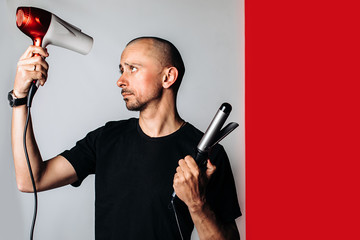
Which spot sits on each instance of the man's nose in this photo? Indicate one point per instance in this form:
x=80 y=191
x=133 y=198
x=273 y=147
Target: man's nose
x=122 y=82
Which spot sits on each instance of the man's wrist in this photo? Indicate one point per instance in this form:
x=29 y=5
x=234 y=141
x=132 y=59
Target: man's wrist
x=197 y=207
x=18 y=94
x=15 y=101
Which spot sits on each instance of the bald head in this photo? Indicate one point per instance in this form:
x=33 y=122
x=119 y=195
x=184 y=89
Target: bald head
x=166 y=53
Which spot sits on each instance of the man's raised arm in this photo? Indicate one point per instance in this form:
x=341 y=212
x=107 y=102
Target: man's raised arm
x=49 y=174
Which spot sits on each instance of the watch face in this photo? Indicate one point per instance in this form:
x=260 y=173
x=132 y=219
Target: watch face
x=11 y=99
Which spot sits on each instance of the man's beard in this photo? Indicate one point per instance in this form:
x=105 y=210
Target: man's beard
x=136 y=105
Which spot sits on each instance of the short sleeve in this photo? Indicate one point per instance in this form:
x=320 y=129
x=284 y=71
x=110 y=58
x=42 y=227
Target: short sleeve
x=221 y=191
x=83 y=155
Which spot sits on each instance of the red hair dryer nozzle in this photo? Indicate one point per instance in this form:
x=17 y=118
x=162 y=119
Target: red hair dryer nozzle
x=34 y=22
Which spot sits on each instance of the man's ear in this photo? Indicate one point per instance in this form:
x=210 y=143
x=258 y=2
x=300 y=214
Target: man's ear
x=170 y=77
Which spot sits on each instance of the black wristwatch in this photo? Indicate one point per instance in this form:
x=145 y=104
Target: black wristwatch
x=14 y=101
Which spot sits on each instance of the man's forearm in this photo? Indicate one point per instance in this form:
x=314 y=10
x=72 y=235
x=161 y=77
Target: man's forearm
x=208 y=227
x=17 y=133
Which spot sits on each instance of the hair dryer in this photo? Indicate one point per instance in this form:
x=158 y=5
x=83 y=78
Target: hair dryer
x=45 y=28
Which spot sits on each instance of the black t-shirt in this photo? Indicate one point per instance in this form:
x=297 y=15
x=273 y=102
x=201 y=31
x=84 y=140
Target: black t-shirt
x=134 y=177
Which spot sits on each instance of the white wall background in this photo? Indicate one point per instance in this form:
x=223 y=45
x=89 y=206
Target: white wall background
x=81 y=94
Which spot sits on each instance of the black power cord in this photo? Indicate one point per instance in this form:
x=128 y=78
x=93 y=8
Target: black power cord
x=32 y=91
x=31 y=175
x=176 y=217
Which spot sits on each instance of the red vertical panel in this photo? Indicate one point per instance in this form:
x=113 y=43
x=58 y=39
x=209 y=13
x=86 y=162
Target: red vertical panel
x=302 y=106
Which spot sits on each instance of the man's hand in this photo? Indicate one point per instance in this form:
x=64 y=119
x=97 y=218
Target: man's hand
x=190 y=183
x=31 y=66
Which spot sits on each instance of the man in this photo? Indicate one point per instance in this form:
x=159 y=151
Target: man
x=135 y=160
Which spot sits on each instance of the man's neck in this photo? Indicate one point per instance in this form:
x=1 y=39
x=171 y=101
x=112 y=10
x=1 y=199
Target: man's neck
x=160 y=120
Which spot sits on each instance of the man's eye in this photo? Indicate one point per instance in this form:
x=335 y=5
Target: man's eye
x=133 y=69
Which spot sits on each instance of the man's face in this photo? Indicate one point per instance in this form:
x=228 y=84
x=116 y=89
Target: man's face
x=141 y=79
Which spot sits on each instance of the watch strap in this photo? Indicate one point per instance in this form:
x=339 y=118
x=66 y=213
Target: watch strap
x=14 y=101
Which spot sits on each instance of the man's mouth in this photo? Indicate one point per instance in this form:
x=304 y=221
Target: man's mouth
x=126 y=93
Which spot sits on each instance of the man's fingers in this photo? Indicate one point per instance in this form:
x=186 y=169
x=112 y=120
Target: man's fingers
x=32 y=50
x=178 y=177
x=37 y=72
x=192 y=165
x=210 y=169
x=33 y=63
x=184 y=168
x=35 y=68
x=190 y=162
x=40 y=62
x=188 y=169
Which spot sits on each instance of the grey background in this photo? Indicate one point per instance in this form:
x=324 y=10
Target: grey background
x=81 y=94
